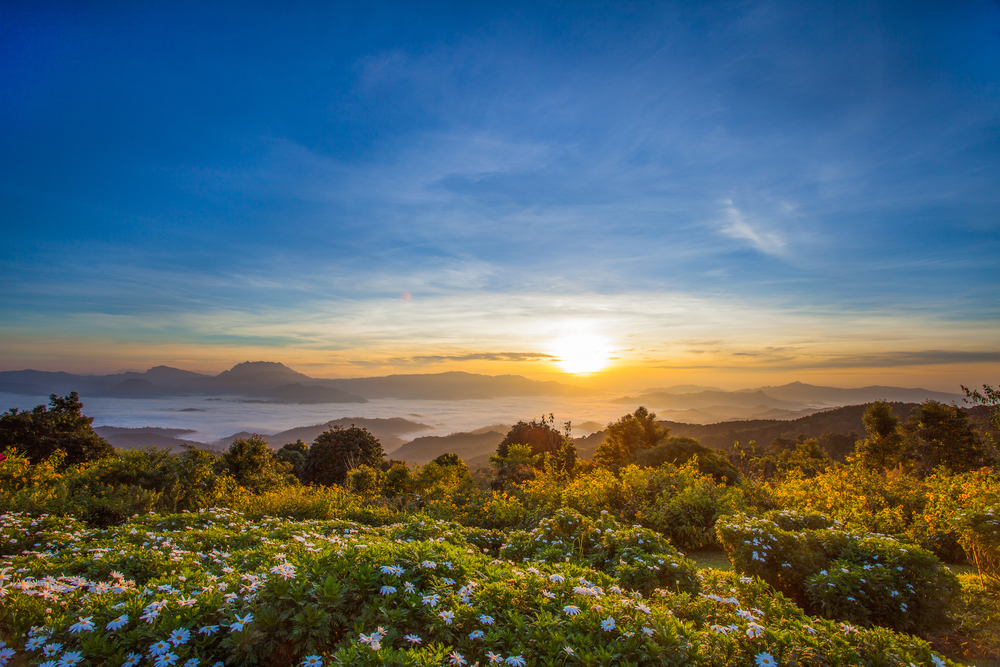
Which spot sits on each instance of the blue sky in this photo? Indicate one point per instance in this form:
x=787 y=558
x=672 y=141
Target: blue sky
x=724 y=192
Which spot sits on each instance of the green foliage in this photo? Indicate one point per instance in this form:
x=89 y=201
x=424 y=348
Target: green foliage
x=865 y=500
x=514 y=466
x=530 y=447
x=294 y=454
x=883 y=447
x=941 y=435
x=966 y=507
x=859 y=578
x=339 y=450
x=111 y=490
x=637 y=557
x=554 y=537
x=396 y=480
x=990 y=397
x=627 y=436
x=254 y=466
x=687 y=514
x=805 y=458
x=679 y=450
x=540 y=435
x=38 y=433
x=274 y=591
x=364 y=480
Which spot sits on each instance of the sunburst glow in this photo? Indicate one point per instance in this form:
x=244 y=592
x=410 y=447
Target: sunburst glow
x=582 y=353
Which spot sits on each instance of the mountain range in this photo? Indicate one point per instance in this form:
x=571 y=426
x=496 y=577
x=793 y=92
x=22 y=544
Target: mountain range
x=707 y=405
x=272 y=382
x=388 y=432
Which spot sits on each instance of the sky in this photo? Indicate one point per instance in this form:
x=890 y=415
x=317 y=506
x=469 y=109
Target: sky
x=728 y=193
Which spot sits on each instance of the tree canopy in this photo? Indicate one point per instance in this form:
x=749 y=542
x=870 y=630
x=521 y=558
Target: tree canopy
x=632 y=433
x=39 y=432
x=941 y=435
x=883 y=447
x=541 y=436
x=336 y=452
x=254 y=466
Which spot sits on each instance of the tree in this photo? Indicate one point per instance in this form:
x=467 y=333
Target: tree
x=883 y=447
x=806 y=458
x=294 y=454
x=627 y=436
x=40 y=432
x=936 y=434
x=990 y=396
x=541 y=436
x=514 y=467
x=254 y=466
x=441 y=477
x=679 y=450
x=547 y=449
x=339 y=450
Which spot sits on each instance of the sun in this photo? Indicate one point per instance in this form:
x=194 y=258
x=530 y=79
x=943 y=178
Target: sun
x=582 y=353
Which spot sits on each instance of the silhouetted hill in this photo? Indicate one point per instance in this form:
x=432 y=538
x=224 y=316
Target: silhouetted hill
x=139 y=438
x=251 y=377
x=720 y=413
x=453 y=386
x=468 y=446
x=788 y=401
x=682 y=389
x=706 y=399
x=845 y=420
x=173 y=376
x=386 y=430
x=587 y=446
x=798 y=391
x=137 y=388
x=256 y=375
x=299 y=393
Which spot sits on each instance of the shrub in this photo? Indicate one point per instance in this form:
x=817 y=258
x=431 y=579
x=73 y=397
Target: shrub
x=214 y=586
x=966 y=509
x=860 y=578
x=868 y=501
x=687 y=516
x=637 y=557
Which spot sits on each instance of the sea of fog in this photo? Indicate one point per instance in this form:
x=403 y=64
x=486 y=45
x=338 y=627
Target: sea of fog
x=212 y=418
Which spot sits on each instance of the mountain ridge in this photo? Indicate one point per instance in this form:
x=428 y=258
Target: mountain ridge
x=249 y=378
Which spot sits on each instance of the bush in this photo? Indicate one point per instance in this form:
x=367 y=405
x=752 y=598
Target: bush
x=965 y=508
x=637 y=557
x=680 y=450
x=214 y=586
x=687 y=516
x=858 y=578
x=868 y=501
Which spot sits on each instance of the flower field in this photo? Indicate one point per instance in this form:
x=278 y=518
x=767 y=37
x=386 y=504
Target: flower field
x=312 y=556
x=211 y=587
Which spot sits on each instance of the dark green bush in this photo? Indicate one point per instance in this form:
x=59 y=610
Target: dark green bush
x=637 y=557
x=860 y=578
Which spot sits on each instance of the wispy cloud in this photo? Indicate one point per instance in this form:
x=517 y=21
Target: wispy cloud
x=913 y=358
x=735 y=225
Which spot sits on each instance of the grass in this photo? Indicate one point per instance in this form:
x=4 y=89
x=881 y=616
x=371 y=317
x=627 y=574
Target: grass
x=711 y=560
x=974 y=637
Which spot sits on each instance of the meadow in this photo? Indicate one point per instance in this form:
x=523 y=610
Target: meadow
x=721 y=558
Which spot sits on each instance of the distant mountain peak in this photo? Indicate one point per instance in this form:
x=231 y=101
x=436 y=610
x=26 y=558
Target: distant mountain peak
x=246 y=367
